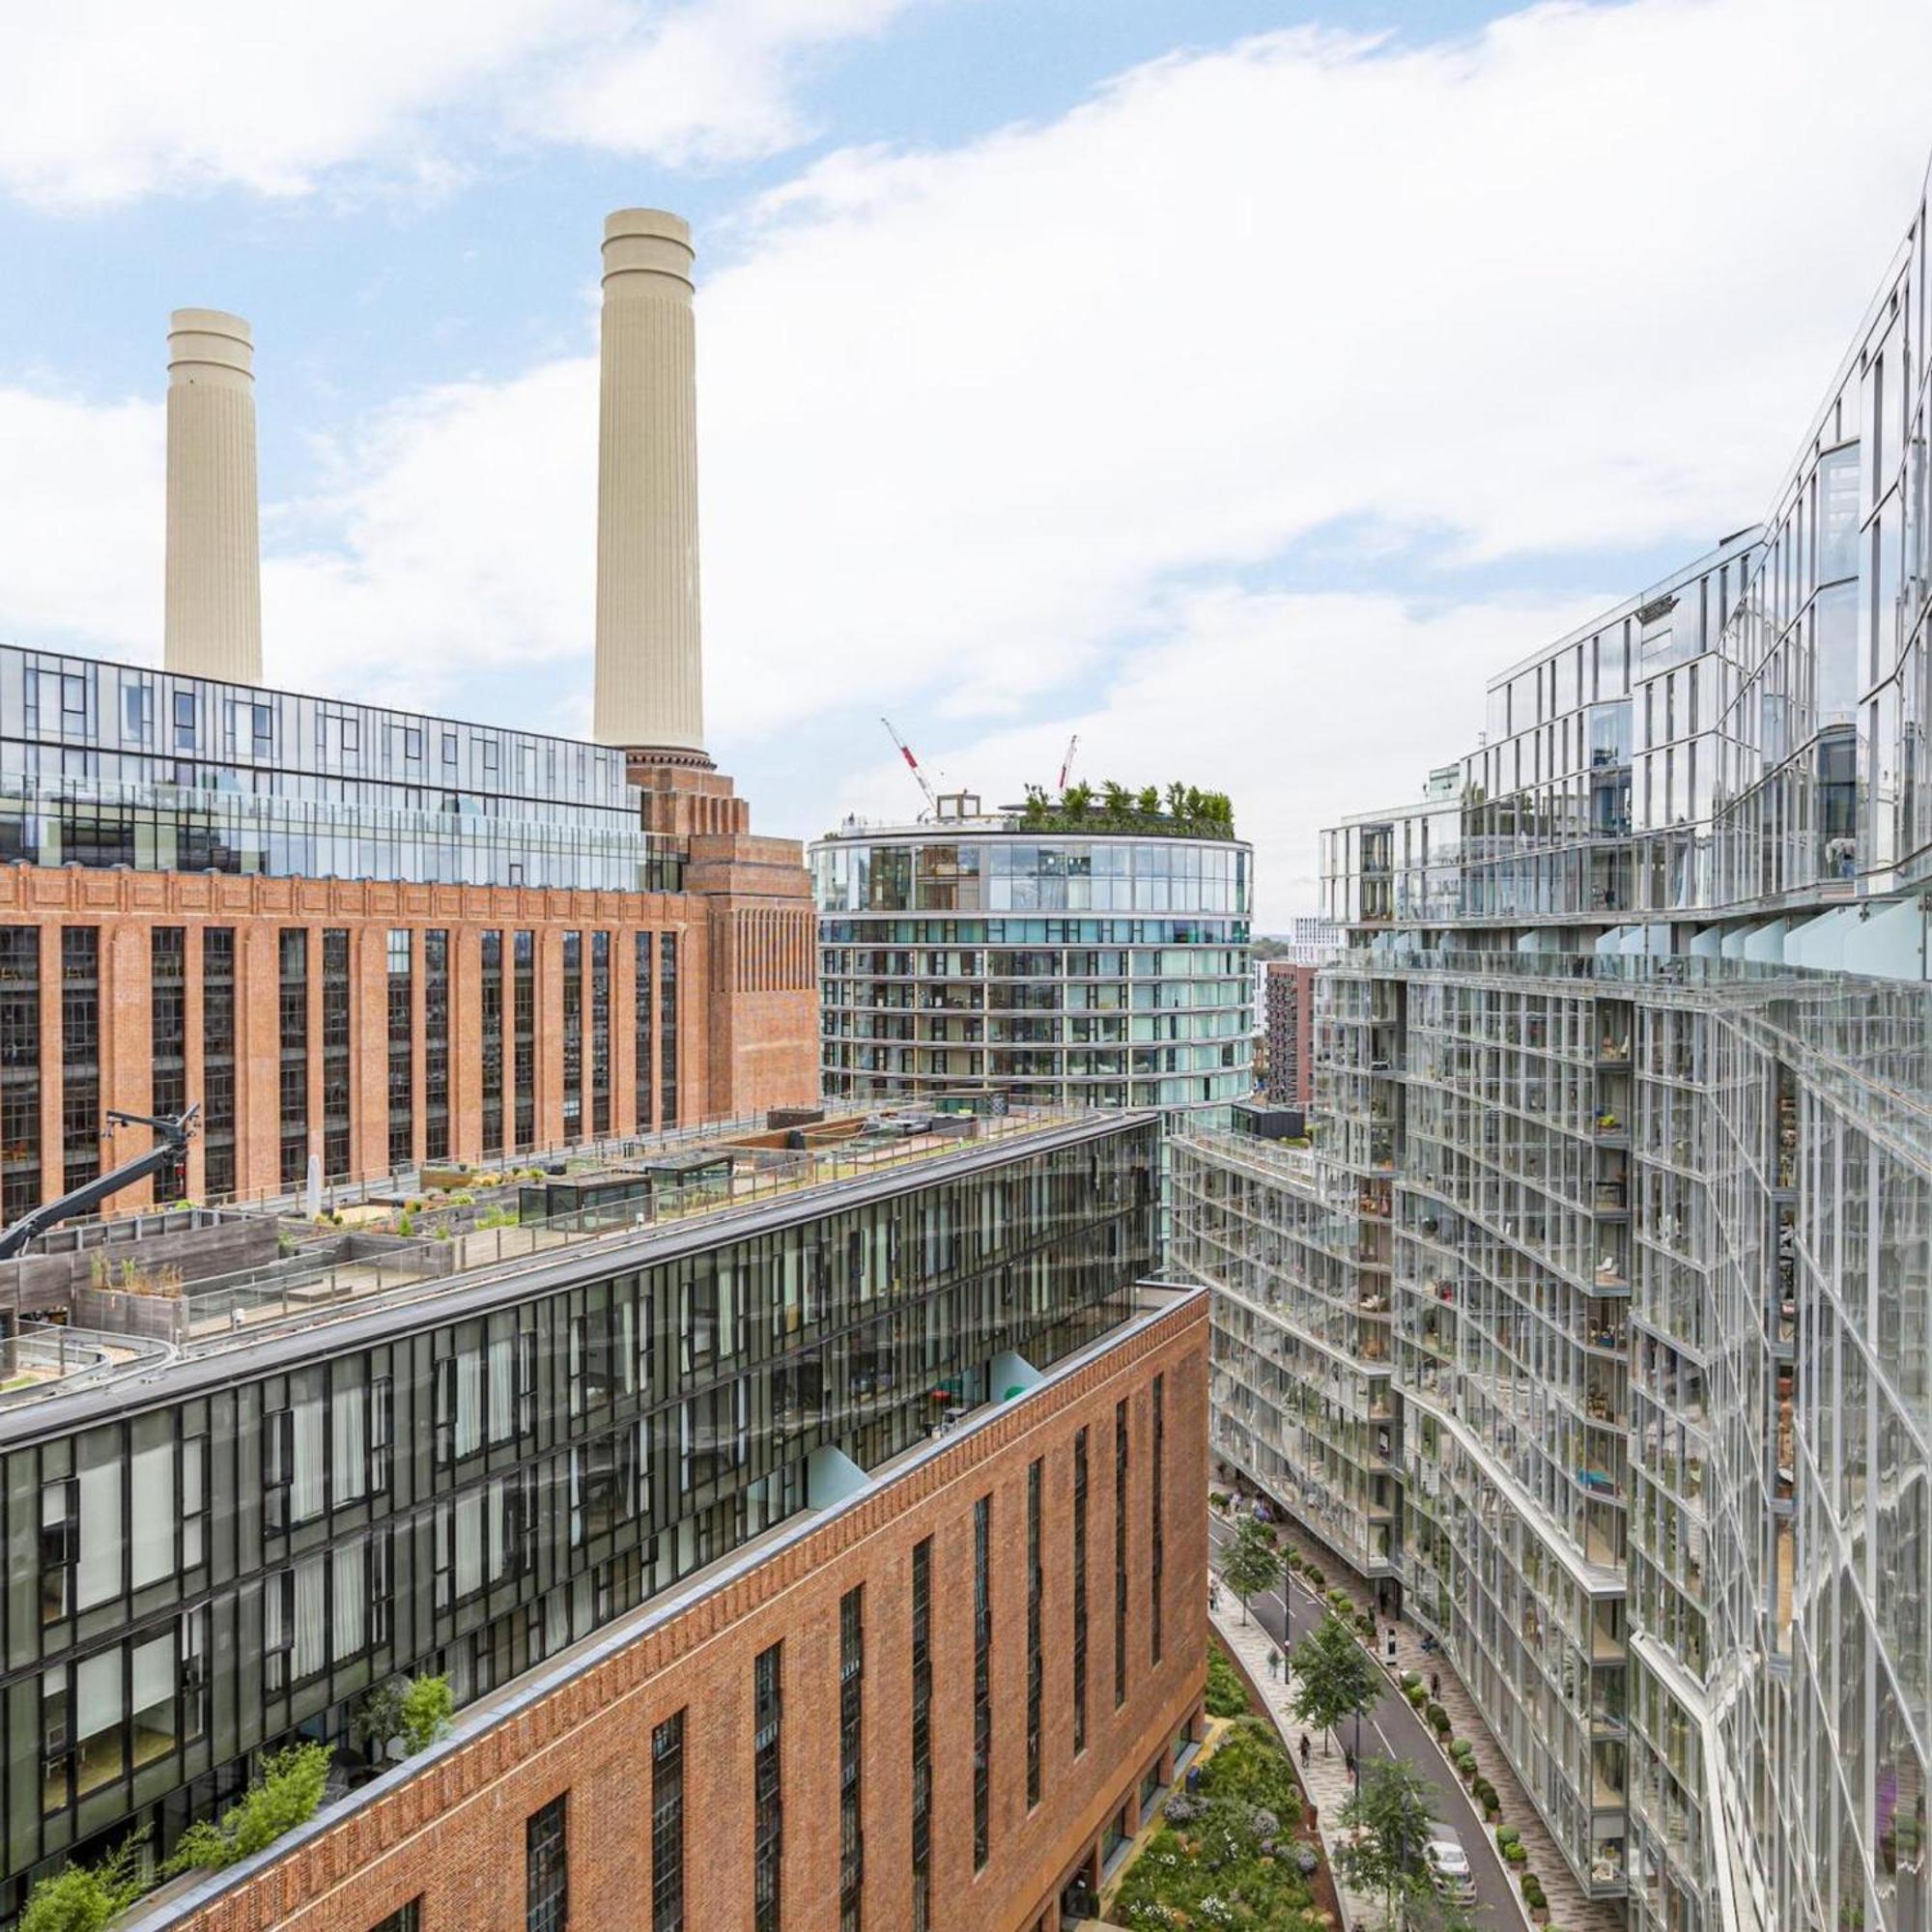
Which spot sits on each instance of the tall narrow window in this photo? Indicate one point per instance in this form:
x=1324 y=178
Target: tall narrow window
x=547 y=1868
x=1154 y=1478
x=402 y=1051
x=1079 y=1593
x=644 y=1007
x=573 y=1037
x=20 y=1069
x=668 y=1030
x=1035 y=1666
x=922 y=1736
x=523 y=1038
x=851 y=1756
x=1120 y=1553
x=218 y=1060
x=767 y=1791
x=668 y=1825
x=983 y=1681
x=492 y=1050
x=600 y=1033
x=294 y=1082
x=435 y=1044
x=335 y=1055
x=80 y=1054
x=167 y=1013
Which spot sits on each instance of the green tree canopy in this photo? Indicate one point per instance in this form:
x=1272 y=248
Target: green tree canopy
x=1388 y=1824
x=1250 y=1563
x=1335 y=1677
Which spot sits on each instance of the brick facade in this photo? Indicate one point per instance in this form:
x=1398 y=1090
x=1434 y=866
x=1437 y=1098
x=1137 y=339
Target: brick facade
x=746 y=1007
x=452 y=1834
x=1289 y=1028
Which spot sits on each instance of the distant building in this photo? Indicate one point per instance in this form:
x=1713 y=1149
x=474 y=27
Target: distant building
x=982 y=952
x=1287 y=1027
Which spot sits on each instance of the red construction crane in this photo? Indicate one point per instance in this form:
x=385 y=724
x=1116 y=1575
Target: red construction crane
x=1067 y=763
x=906 y=751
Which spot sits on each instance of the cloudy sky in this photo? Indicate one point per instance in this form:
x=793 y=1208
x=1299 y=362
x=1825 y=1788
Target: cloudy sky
x=1233 y=383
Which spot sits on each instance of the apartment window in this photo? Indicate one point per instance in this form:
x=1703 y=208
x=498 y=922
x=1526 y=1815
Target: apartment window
x=81 y=1055
x=668 y=1825
x=335 y=1055
x=523 y=1037
x=20 y=1069
x=546 y=1870
x=1120 y=1553
x=922 y=1736
x=668 y=1030
x=1079 y=1592
x=293 y=1000
x=1035 y=1668
x=983 y=1681
x=402 y=1050
x=767 y=1796
x=218 y=1060
x=405 y=1918
x=1154 y=1518
x=436 y=1045
x=492 y=1050
x=573 y=1037
x=851 y=1738
x=641 y=1020
x=600 y=1033
x=167 y=1013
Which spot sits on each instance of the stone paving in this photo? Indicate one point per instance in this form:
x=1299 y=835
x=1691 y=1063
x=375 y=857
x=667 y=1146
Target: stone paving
x=1569 y=1908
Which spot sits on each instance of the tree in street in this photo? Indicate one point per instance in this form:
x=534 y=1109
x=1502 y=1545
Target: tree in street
x=1250 y=1565
x=1335 y=1678
x=1387 y=1825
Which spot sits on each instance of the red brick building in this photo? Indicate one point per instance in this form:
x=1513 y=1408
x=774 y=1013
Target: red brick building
x=1287 y=1024
x=426 y=1022
x=881 y=1591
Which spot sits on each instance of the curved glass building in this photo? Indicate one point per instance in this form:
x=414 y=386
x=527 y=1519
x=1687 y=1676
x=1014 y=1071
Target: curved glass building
x=975 y=953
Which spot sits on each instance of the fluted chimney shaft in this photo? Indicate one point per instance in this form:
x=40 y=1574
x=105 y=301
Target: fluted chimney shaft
x=650 y=674
x=214 y=602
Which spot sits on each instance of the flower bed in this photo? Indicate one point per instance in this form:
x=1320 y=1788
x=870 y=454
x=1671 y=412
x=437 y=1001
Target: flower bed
x=1227 y=1854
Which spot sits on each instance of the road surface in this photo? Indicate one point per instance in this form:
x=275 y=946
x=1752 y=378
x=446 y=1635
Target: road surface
x=1393 y=1730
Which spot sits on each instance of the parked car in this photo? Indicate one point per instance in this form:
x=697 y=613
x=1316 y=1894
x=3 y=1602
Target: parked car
x=1449 y=1865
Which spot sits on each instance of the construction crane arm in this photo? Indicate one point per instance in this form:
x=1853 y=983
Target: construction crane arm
x=167 y=1152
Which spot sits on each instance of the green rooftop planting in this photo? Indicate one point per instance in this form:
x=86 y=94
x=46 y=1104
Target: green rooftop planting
x=1180 y=811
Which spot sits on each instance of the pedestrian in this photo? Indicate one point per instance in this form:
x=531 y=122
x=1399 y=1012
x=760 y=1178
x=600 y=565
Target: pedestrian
x=1213 y=1595
x=1436 y=1685
x=1304 y=1750
x=1274 y=1664
x=1349 y=1762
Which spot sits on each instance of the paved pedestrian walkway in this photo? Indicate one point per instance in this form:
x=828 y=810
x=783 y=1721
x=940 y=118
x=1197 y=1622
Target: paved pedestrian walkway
x=1569 y=1906
x=1325 y=1778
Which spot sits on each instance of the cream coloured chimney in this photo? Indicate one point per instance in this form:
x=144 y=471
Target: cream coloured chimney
x=650 y=672
x=214 y=608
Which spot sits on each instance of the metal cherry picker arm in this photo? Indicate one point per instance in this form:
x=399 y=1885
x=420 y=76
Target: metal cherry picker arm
x=169 y=1151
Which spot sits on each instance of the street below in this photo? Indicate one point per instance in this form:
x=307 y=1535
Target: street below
x=1393 y=1730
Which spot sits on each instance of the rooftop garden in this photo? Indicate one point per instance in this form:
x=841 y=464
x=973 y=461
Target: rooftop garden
x=1180 y=811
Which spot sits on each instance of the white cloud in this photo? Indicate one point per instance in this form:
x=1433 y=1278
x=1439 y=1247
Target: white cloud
x=81 y=531
x=1572 y=284
x=702 y=84
x=102 y=102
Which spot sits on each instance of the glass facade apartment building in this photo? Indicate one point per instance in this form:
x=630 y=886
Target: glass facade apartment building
x=976 y=955
x=218 y=1552
x=1597 y=1321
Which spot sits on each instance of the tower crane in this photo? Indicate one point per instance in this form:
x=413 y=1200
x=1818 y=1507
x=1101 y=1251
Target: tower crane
x=1067 y=763
x=906 y=751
